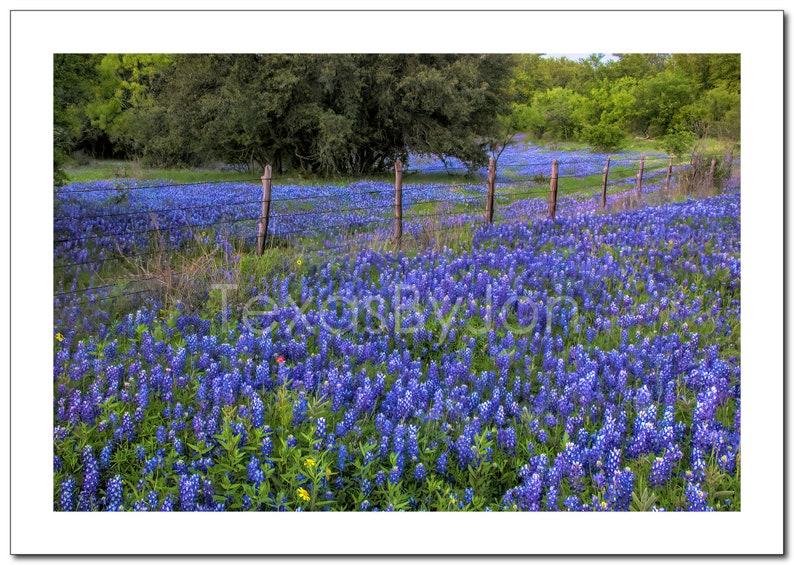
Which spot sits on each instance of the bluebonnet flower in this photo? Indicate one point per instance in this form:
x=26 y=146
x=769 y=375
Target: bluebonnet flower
x=615 y=380
x=151 y=465
x=127 y=426
x=506 y=438
x=113 y=496
x=412 y=447
x=619 y=490
x=152 y=498
x=168 y=504
x=697 y=501
x=660 y=472
x=441 y=464
x=342 y=457
x=257 y=411
x=238 y=429
x=267 y=447
x=299 y=410
x=87 y=499
x=105 y=455
x=255 y=473
x=573 y=504
x=468 y=495
x=66 y=499
x=399 y=439
x=320 y=429
x=189 y=485
x=551 y=499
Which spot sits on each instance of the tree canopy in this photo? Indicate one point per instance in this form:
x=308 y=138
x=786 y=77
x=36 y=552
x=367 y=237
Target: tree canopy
x=358 y=113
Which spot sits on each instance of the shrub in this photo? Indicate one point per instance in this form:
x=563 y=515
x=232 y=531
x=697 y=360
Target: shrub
x=604 y=137
x=677 y=143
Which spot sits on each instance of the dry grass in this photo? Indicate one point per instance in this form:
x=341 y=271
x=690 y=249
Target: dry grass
x=181 y=277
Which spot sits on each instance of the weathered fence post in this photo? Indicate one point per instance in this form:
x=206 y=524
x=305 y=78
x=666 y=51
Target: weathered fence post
x=711 y=172
x=398 y=202
x=604 y=185
x=639 y=176
x=669 y=173
x=553 y=194
x=264 y=219
x=491 y=183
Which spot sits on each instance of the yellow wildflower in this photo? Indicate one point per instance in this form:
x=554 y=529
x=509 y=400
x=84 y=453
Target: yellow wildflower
x=299 y=262
x=59 y=336
x=308 y=463
x=303 y=494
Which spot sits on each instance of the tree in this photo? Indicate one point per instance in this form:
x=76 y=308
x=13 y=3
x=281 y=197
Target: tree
x=357 y=113
x=604 y=114
x=634 y=65
x=559 y=109
x=330 y=114
x=73 y=77
x=709 y=70
x=122 y=94
x=659 y=99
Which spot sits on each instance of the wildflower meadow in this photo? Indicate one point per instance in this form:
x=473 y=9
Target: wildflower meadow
x=585 y=363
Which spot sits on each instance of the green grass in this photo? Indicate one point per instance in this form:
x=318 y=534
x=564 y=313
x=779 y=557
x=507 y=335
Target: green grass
x=97 y=170
x=709 y=146
x=105 y=170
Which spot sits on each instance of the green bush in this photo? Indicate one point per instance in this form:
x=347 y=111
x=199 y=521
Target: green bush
x=604 y=137
x=677 y=143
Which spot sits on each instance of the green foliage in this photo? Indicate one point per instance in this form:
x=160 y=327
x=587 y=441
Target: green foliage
x=355 y=114
x=677 y=143
x=659 y=100
x=558 y=109
x=605 y=112
x=72 y=79
x=604 y=136
x=528 y=118
x=122 y=95
x=329 y=114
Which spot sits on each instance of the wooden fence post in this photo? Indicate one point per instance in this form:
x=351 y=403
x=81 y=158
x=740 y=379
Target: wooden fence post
x=669 y=173
x=639 y=176
x=604 y=185
x=491 y=183
x=711 y=172
x=398 y=202
x=553 y=194
x=264 y=219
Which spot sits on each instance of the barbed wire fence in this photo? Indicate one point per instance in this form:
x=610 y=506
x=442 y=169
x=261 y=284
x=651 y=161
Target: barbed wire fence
x=128 y=255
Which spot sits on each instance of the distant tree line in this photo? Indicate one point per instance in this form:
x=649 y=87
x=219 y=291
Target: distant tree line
x=675 y=99
x=358 y=113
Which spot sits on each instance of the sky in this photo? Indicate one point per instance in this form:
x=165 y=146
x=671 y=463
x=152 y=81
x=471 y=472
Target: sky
x=576 y=56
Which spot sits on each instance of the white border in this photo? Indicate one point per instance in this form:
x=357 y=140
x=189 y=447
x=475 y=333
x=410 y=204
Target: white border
x=756 y=35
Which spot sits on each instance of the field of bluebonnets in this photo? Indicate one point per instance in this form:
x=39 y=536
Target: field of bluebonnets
x=585 y=364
